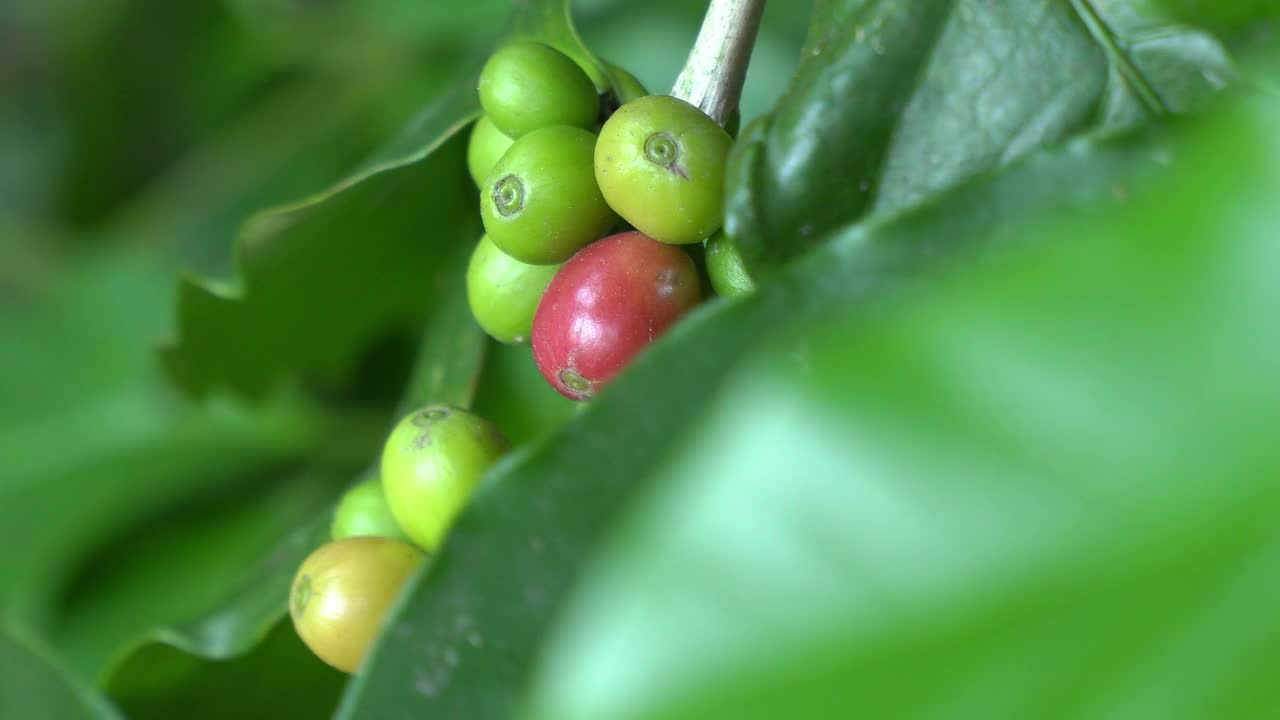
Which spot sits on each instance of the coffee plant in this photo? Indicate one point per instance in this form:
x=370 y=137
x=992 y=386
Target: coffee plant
x=645 y=361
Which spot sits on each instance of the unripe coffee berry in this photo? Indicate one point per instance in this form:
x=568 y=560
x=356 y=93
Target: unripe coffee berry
x=364 y=512
x=341 y=594
x=432 y=460
x=660 y=164
x=528 y=85
x=540 y=204
x=503 y=292
x=726 y=269
x=606 y=305
x=484 y=147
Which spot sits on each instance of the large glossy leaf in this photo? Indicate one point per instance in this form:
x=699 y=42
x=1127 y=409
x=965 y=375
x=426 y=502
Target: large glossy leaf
x=466 y=636
x=321 y=280
x=1045 y=488
x=33 y=685
x=895 y=101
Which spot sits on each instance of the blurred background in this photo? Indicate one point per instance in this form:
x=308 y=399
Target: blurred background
x=135 y=137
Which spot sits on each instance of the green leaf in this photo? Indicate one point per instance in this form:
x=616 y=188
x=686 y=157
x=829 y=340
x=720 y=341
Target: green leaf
x=132 y=454
x=247 y=613
x=233 y=625
x=127 y=103
x=451 y=354
x=240 y=660
x=181 y=564
x=278 y=678
x=1042 y=488
x=465 y=639
x=320 y=280
x=33 y=685
x=894 y=102
x=1230 y=13
x=366 y=32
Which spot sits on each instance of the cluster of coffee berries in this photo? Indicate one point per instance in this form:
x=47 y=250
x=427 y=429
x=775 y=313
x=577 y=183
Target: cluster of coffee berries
x=584 y=210
x=385 y=527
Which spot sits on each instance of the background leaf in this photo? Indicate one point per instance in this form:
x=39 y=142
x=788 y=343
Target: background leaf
x=32 y=685
x=278 y=677
x=325 y=278
x=1236 y=12
x=238 y=660
x=182 y=564
x=894 y=102
x=239 y=657
x=958 y=506
x=110 y=419
x=231 y=627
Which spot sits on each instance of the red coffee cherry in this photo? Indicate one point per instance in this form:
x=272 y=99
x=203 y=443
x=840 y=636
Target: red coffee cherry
x=605 y=305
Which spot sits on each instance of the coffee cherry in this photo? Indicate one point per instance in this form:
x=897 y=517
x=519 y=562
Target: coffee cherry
x=484 y=147
x=363 y=512
x=528 y=85
x=430 y=464
x=541 y=204
x=660 y=164
x=606 y=305
x=728 y=273
x=341 y=594
x=504 y=292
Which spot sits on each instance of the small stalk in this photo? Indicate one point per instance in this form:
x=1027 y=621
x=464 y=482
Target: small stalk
x=717 y=66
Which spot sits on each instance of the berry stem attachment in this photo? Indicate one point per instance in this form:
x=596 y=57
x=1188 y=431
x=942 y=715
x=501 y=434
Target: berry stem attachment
x=717 y=66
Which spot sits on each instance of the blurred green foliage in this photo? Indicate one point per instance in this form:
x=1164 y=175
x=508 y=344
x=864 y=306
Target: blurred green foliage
x=858 y=476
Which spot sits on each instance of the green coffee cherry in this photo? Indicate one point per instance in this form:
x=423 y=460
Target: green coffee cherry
x=528 y=85
x=541 y=204
x=430 y=464
x=660 y=165
x=728 y=273
x=342 y=592
x=363 y=512
x=484 y=147
x=625 y=85
x=504 y=292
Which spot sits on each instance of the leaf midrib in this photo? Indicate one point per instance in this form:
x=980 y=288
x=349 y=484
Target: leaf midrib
x=1118 y=52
